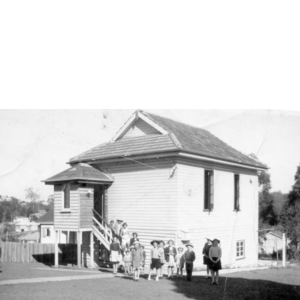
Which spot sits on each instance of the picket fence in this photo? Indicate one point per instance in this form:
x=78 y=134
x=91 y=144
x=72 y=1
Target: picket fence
x=35 y=252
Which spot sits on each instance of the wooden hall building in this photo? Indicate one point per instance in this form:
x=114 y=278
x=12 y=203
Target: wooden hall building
x=167 y=180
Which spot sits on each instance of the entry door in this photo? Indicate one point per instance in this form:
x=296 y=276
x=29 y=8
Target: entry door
x=99 y=200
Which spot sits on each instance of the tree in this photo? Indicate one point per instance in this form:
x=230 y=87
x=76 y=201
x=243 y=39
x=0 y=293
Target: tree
x=267 y=214
x=33 y=196
x=50 y=202
x=290 y=216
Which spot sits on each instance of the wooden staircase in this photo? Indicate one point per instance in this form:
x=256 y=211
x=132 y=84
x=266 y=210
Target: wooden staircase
x=101 y=230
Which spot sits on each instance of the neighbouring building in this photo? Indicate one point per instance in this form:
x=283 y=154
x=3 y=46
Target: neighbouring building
x=167 y=180
x=46 y=228
x=23 y=224
x=271 y=241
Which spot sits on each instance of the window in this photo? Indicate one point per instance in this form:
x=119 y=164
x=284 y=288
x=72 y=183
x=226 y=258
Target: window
x=240 y=249
x=208 y=190
x=46 y=232
x=66 y=196
x=236 y=192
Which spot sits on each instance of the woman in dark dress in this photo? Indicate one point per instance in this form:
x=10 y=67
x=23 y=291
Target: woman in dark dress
x=205 y=253
x=215 y=254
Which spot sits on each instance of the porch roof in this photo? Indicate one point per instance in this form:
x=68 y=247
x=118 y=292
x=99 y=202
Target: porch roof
x=80 y=172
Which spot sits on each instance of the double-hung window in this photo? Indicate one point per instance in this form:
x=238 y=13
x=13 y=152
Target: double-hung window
x=236 y=192
x=240 y=249
x=208 y=190
x=66 y=193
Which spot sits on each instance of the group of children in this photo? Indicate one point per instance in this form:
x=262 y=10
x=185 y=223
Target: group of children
x=129 y=252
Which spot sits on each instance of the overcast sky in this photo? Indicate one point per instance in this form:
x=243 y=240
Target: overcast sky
x=36 y=144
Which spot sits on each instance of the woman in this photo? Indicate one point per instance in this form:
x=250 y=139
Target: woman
x=205 y=253
x=170 y=253
x=115 y=251
x=215 y=254
x=125 y=236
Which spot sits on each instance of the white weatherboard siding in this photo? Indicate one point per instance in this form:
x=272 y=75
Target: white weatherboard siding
x=145 y=198
x=223 y=222
x=139 y=128
x=66 y=220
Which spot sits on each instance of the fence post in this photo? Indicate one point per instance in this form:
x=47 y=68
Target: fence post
x=283 y=250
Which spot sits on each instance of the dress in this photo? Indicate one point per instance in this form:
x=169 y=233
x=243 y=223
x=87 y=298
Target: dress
x=137 y=258
x=124 y=232
x=170 y=253
x=127 y=260
x=115 y=253
x=215 y=253
x=180 y=260
x=155 y=259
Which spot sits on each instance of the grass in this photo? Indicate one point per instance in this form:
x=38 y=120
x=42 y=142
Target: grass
x=274 y=283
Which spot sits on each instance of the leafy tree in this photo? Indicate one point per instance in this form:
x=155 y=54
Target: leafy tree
x=267 y=214
x=290 y=216
x=33 y=196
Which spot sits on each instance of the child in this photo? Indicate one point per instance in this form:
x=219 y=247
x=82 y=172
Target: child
x=205 y=253
x=170 y=253
x=115 y=251
x=144 y=258
x=162 y=257
x=180 y=262
x=189 y=258
x=155 y=260
x=127 y=262
x=215 y=254
x=137 y=258
x=134 y=238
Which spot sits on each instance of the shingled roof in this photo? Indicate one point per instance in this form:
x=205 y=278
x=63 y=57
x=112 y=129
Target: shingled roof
x=80 y=172
x=180 y=138
x=48 y=218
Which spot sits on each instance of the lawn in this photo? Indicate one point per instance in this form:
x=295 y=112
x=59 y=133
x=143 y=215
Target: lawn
x=274 y=283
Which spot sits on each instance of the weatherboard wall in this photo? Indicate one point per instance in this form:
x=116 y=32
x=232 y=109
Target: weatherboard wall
x=145 y=197
x=223 y=222
x=66 y=219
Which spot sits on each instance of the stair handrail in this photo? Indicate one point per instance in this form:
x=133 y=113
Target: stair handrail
x=104 y=225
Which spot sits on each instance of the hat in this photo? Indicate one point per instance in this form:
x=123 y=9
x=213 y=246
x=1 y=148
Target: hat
x=136 y=242
x=171 y=242
x=131 y=247
x=135 y=234
x=154 y=241
x=216 y=240
x=185 y=241
x=120 y=221
x=189 y=244
x=209 y=239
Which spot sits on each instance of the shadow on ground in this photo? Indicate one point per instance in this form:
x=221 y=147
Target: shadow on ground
x=236 y=288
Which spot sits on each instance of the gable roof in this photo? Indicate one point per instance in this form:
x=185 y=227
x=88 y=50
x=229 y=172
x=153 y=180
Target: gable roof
x=174 y=136
x=48 y=218
x=82 y=172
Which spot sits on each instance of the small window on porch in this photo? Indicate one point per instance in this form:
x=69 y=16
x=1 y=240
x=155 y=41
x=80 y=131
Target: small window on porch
x=66 y=200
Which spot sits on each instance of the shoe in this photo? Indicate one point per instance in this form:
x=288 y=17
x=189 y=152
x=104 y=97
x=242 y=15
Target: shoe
x=157 y=279
x=149 y=278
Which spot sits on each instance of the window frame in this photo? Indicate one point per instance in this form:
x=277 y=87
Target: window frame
x=240 y=243
x=236 y=187
x=208 y=190
x=66 y=203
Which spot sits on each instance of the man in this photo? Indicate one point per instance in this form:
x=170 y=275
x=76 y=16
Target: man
x=189 y=258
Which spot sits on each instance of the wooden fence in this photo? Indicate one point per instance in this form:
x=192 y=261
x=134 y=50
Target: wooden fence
x=35 y=252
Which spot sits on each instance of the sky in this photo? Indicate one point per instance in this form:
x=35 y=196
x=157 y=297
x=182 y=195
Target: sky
x=39 y=143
